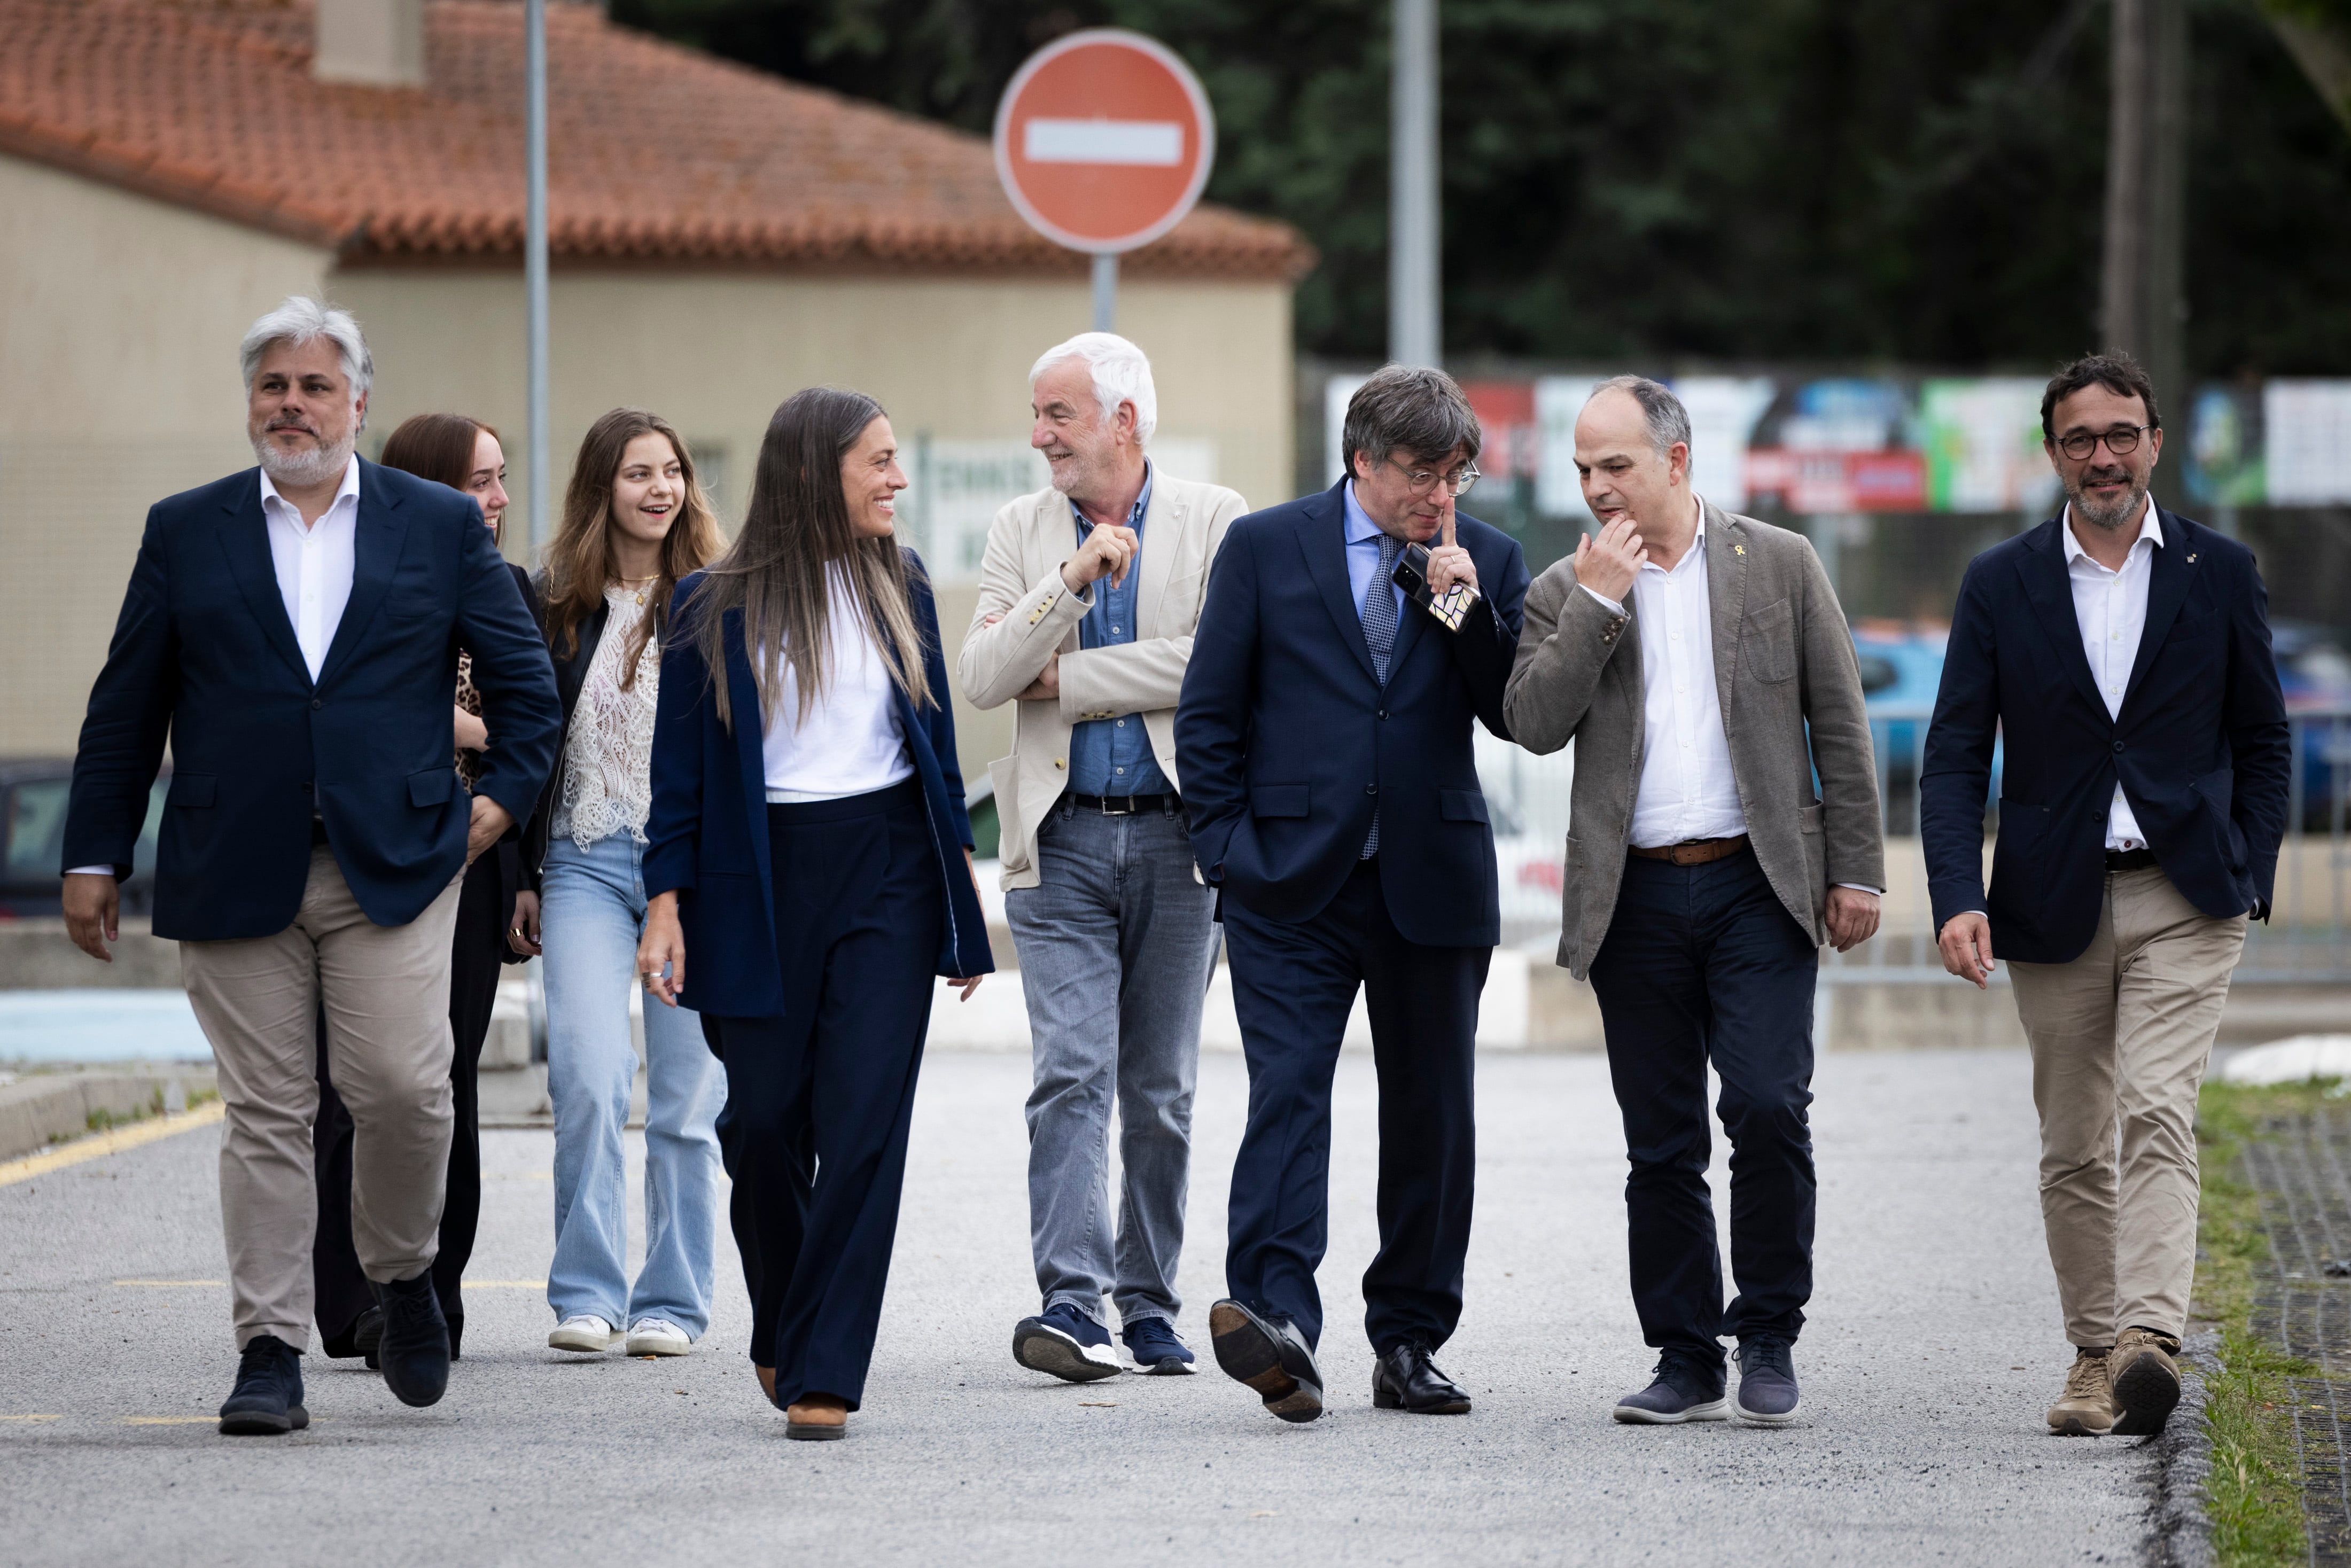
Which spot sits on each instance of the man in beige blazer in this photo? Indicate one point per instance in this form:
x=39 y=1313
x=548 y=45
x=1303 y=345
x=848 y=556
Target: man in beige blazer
x=1088 y=596
x=1686 y=652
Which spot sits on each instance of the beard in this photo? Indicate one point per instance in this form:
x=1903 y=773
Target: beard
x=2108 y=516
x=316 y=466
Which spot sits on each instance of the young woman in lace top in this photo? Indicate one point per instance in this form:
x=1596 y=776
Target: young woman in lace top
x=634 y=522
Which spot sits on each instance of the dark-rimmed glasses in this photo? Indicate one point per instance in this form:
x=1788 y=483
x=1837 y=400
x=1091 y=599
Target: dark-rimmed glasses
x=2078 y=444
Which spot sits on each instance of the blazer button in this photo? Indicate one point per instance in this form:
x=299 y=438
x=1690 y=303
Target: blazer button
x=1383 y=713
x=2118 y=746
x=1370 y=788
x=321 y=702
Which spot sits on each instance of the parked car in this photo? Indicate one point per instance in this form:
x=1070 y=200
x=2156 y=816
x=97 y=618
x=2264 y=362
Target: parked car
x=33 y=793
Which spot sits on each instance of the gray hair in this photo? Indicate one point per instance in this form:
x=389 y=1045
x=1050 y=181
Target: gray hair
x=1409 y=408
x=1669 y=421
x=298 y=320
x=1122 y=373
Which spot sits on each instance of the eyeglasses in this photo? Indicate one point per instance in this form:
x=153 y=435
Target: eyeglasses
x=1423 y=480
x=2122 y=443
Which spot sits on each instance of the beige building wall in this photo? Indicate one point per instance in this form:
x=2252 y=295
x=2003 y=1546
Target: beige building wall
x=118 y=387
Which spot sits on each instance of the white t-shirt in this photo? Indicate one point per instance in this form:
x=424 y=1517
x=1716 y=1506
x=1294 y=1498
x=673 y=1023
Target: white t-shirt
x=851 y=742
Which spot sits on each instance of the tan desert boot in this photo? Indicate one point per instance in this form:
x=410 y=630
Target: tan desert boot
x=2144 y=1381
x=2086 y=1409
x=817 y=1418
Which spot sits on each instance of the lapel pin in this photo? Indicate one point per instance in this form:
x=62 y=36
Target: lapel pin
x=2191 y=560
x=1741 y=550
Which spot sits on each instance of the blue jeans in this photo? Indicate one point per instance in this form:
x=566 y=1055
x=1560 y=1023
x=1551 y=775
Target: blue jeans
x=1116 y=942
x=591 y=911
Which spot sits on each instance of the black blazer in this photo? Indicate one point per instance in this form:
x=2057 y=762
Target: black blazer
x=2201 y=746
x=205 y=656
x=1285 y=741
x=570 y=675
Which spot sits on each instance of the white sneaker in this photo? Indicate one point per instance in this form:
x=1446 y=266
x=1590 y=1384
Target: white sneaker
x=657 y=1336
x=587 y=1334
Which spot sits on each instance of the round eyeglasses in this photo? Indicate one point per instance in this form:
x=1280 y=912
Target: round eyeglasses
x=1423 y=480
x=2079 y=443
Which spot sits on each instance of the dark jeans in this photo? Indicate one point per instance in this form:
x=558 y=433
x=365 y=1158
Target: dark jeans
x=1703 y=963
x=1292 y=987
x=819 y=1100
x=340 y=1289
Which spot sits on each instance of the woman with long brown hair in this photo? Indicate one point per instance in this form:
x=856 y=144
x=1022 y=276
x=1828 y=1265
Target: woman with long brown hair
x=463 y=453
x=635 y=521
x=808 y=848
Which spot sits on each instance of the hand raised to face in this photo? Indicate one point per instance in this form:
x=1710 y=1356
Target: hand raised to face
x=1448 y=563
x=1607 y=562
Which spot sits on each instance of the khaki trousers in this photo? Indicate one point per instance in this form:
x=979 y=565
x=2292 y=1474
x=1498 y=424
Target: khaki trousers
x=2121 y=1035
x=386 y=994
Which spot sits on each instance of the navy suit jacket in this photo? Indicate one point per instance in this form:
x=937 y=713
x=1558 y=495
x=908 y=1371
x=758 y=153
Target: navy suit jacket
x=203 y=655
x=1285 y=741
x=707 y=836
x=2200 y=745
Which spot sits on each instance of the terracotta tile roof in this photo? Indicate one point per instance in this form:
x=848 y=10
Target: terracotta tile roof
x=657 y=154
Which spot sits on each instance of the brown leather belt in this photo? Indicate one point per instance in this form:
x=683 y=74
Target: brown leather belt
x=1692 y=851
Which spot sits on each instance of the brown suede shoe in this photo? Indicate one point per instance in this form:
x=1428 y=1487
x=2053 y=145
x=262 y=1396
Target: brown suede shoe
x=2086 y=1409
x=2144 y=1381
x=817 y=1418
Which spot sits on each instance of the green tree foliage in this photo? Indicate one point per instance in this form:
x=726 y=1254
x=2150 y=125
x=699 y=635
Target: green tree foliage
x=1913 y=180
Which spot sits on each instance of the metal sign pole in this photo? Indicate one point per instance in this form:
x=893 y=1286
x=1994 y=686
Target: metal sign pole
x=534 y=251
x=1105 y=293
x=1415 y=319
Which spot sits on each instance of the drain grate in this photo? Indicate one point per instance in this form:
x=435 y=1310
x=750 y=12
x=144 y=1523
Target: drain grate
x=2301 y=1168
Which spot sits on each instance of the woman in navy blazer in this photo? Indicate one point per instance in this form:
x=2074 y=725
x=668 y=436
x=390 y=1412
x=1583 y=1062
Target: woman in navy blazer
x=807 y=864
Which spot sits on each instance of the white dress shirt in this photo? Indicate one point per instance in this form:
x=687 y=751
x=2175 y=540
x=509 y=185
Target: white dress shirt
x=849 y=744
x=2110 y=608
x=314 y=563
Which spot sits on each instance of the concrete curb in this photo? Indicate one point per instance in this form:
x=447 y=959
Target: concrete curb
x=2183 y=1524
x=48 y=1105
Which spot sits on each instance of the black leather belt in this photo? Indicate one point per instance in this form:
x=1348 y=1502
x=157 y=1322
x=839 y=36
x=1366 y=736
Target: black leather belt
x=2130 y=860
x=1127 y=805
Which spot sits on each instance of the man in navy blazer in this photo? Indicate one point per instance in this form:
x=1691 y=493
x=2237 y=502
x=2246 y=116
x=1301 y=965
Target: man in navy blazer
x=292 y=632
x=2121 y=653
x=1323 y=738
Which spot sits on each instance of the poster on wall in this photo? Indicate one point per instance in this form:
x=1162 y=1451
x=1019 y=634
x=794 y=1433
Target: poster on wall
x=1981 y=437
x=2222 y=464
x=2306 y=441
x=1723 y=412
x=1558 y=399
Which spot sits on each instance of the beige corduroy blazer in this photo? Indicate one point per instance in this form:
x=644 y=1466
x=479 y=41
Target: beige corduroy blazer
x=1021 y=582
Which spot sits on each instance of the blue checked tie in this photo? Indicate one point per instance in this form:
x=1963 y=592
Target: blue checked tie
x=1379 y=633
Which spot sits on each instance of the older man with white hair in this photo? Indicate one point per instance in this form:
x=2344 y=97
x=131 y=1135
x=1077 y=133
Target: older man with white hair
x=292 y=631
x=1088 y=596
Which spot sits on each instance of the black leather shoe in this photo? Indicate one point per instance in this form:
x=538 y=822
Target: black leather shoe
x=367 y=1335
x=1271 y=1356
x=1404 y=1378
x=268 y=1400
x=414 y=1348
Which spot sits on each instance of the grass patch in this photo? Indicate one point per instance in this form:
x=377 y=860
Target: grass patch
x=103 y=1120
x=2255 y=1490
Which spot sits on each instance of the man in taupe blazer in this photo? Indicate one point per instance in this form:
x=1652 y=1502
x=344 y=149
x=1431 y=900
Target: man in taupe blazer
x=1088 y=596
x=1684 y=651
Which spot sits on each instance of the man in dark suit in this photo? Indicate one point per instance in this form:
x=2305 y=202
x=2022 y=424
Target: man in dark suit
x=1323 y=738
x=2122 y=653
x=292 y=632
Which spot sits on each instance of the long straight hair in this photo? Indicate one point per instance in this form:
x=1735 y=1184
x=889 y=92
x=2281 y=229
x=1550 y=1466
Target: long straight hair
x=580 y=563
x=796 y=528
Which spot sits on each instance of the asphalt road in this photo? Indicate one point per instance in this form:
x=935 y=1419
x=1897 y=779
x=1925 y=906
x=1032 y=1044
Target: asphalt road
x=1934 y=1345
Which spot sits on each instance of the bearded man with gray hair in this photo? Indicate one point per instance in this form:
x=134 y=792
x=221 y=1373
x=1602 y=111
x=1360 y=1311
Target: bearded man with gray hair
x=291 y=631
x=1088 y=596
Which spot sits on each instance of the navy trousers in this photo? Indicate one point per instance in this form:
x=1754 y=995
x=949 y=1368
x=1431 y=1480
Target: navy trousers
x=1293 y=985
x=819 y=1100
x=1703 y=963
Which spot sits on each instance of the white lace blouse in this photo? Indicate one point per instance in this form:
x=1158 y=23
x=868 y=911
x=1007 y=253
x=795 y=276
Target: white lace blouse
x=608 y=751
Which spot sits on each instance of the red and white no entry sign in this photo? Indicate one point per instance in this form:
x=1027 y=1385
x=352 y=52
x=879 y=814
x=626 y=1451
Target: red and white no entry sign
x=1103 y=141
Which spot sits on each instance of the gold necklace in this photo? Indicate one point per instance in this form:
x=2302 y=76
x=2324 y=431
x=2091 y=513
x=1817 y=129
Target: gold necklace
x=639 y=584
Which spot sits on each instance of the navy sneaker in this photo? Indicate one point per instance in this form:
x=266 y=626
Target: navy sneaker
x=1065 y=1342
x=1681 y=1392
x=1157 y=1352
x=1767 y=1381
x=268 y=1400
x=414 y=1351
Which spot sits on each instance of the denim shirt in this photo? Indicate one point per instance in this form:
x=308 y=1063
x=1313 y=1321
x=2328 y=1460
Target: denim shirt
x=1112 y=755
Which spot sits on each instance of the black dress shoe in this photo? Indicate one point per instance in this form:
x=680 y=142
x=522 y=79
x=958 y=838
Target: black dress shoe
x=1271 y=1356
x=1404 y=1378
x=367 y=1335
x=414 y=1348
x=268 y=1400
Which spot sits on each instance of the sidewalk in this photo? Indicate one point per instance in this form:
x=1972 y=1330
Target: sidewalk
x=1934 y=1346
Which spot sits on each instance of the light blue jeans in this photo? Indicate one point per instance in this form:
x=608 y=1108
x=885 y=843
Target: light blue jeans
x=591 y=911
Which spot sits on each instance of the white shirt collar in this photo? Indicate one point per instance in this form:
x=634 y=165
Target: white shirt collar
x=350 y=487
x=2149 y=528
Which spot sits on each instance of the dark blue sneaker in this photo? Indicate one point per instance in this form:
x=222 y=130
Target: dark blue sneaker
x=268 y=1400
x=1157 y=1352
x=1065 y=1342
x=1767 y=1382
x=414 y=1351
x=1681 y=1392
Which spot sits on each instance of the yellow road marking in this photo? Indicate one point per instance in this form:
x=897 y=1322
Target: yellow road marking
x=110 y=1143
x=28 y=1418
x=168 y=1420
x=216 y=1283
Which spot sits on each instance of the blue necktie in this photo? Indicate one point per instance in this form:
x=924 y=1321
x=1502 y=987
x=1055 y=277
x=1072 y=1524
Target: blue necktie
x=1379 y=634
